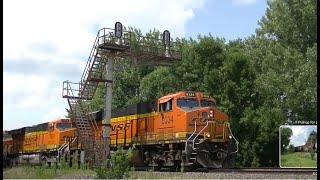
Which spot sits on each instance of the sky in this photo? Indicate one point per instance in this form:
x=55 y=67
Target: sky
x=49 y=41
x=300 y=133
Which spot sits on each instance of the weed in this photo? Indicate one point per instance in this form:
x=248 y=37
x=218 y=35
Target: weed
x=312 y=153
x=118 y=167
x=182 y=169
x=75 y=160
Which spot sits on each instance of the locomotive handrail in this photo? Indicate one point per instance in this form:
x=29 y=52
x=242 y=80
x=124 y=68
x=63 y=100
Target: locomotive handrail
x=61 y=147
x=74 y=139
x=200 y=133
x=195 y=129
x=64 y=145
x=237 y=142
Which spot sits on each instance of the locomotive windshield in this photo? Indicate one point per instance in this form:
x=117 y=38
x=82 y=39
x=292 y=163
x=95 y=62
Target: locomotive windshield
x=63 y=126
x=206 y=103
x=187 y=103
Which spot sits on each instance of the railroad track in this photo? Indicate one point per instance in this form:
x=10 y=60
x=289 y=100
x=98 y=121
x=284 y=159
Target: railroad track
x=239 y=170
x=267 y=170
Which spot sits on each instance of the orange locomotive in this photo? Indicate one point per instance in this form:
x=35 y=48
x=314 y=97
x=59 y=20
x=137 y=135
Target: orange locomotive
x=181 y=127
x=39 y=144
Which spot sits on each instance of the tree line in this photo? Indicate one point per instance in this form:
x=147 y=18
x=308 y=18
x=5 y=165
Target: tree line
x=261 y=81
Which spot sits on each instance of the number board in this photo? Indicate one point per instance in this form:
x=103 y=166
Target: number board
x=190 y=94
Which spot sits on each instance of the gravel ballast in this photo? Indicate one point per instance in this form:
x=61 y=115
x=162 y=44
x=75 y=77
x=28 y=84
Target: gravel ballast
x=207 y=175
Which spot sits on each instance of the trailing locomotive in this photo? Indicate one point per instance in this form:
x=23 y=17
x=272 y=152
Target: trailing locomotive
x=183 y=127
x=39 y=144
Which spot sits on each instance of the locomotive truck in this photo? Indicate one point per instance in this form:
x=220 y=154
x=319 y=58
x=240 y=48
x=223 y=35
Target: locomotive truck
x=179 y=127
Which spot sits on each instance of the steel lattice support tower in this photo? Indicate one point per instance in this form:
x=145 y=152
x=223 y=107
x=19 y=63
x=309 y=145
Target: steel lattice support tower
x=110 y=44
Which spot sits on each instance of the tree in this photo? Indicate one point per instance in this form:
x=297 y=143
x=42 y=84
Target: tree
x=286 y=133
x=291 y=148
x=291 y=22
x=156 y=84
x=69 y=115
x=312 y=138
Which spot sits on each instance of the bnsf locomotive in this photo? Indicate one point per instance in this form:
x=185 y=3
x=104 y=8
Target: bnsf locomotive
x=183 y=127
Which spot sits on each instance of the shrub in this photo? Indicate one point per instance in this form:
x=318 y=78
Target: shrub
x=291 y=148
x=312 y=153
x=75 y=160
x=118 y=167
x=63 y=162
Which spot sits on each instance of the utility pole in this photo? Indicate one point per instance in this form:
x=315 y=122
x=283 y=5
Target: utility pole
x=108 y=105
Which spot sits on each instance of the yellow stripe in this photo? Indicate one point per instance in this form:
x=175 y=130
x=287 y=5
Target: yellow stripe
x=35 y=133
x=167 y=137
x=128 y=140
x=132 y=117
x=147 y=114
x=152 y=137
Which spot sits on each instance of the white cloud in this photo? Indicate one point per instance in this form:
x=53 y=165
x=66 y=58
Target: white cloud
x=298 y=130
x=15 y=83
x=47 y=42
x=243 y=2
x=67 y=24
x=30 y=101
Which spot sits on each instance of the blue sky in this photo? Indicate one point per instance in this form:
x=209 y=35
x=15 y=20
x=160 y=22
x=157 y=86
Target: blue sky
x=49 y=42
x=228 y=19
x=300 y=133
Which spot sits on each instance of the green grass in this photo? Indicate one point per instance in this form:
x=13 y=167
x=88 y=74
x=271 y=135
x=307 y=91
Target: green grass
x=28 y=172
x=298 y=159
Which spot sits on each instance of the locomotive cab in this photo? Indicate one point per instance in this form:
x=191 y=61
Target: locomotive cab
x=65 y=130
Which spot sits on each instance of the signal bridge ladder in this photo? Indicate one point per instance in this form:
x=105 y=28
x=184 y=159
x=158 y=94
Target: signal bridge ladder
x=85 y=125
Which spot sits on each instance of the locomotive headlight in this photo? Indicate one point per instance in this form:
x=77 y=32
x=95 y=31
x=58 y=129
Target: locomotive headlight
x=230 y=137
x=208 y=135
x=211 y=113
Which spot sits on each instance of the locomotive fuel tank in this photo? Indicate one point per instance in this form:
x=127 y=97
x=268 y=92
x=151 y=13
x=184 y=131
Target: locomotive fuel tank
x=30 y=159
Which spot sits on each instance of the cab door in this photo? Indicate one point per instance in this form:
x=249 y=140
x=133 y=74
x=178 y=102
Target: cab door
x=51 y=136
x=165 y=118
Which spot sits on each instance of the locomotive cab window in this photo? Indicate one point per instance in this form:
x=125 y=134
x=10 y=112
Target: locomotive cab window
x=63 y=126
x=166 y=106
x=190 y=103
x=206 y=103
